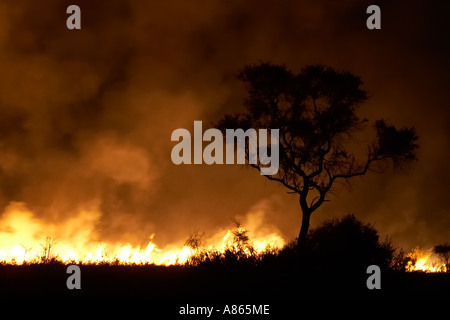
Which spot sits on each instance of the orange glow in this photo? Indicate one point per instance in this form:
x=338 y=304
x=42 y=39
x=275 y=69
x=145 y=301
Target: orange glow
x=25 y=239
x=424 y=260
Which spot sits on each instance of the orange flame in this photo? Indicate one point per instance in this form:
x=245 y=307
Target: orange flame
x=23 y=240
x=424 y=260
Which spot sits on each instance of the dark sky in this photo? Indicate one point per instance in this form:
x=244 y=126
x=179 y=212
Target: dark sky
x=86 y=115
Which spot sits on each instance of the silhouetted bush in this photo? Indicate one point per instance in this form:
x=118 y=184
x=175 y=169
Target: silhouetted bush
x=401 y=260
x=443 y=251
x=347 y=244
x=239 y=250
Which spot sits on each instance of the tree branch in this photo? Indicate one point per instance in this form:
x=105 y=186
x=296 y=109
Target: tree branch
x=295 y=190
x=322 y=159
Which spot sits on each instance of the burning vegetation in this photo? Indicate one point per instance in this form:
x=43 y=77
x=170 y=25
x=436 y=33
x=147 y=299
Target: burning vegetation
x=428 y=260
x=22 y=241
x=344 y=241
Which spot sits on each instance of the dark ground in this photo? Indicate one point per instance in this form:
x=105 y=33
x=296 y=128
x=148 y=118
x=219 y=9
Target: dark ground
x=220 y=282
x=165 y=290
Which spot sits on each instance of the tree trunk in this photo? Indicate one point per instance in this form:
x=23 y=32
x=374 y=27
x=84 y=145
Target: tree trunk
x=301 y=241
x=306 y=215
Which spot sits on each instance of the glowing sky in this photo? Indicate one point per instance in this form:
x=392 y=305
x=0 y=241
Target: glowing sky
x=86 y=115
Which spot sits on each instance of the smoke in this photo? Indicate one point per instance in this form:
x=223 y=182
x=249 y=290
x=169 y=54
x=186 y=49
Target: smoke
x=86 y=115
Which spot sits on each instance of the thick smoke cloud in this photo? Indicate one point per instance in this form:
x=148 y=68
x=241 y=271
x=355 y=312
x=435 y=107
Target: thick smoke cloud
x=86 y=115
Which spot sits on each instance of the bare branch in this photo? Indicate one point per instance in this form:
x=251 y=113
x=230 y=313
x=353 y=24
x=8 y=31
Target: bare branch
x=276 y=179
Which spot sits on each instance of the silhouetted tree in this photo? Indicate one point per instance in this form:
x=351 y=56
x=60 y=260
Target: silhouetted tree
x=443 y=251
x=315 y=112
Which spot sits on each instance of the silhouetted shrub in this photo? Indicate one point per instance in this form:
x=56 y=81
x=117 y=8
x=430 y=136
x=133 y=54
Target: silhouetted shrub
x=195 y=241
x=400 y=260
x=443 y=251
x=347 y=244
x=239 y=249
